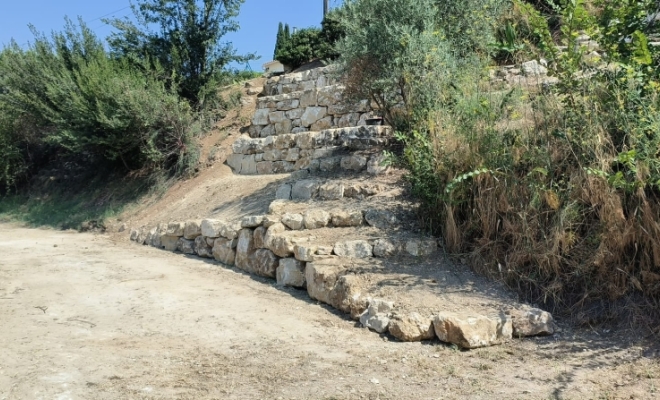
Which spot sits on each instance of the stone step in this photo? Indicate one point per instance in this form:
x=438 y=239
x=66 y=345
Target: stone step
x=353 y=149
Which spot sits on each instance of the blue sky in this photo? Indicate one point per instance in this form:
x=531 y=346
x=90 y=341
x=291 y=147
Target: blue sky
x=258 y=19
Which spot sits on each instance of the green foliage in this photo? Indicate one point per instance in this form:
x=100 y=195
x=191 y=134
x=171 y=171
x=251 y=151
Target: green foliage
x=310 y=43
x=394 y=55
x=83 y=102
x=182 y=36
x=469 y=25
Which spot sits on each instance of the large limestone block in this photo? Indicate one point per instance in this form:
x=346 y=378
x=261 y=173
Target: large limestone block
x=247 y=145
x=281 y=244
x=202 y=248
x=354 y=162
x=308 y=99
x=316 y=219
x=291 y=272
x=186 y=246
x=471 y=331
x=305 y=189
x=192 y=230
x=156 y=241
x=323 y=123
x=230 y=230
x=421 y=247
x=381 y=219
x=528 y=321
x=282 y=127
x=176 y=228
x=252 y=221
x=331 y=191
x=277 y=116
x=411 y=327
x=329 y=95
x=293 y=221
x=283 y=192
x=284 y=141
x=169 y=243
x=346 y=218
x=260 y=117
x=295 y=114
x=313 y=114
x=272 y=232
x=224 y=252
x=212 y=228
x=304 y=252
x=327 y=283
x=385 y=248
x=263 y=263
x=354 y=249
x=259 y=237
x=248 y=165
x=244 y=249
x=289 y=104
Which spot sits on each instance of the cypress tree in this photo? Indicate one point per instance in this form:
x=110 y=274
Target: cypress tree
x=279 y=41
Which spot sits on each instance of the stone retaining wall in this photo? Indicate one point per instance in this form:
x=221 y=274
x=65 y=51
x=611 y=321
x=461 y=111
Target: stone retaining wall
x=305 y=101
x=326 y=150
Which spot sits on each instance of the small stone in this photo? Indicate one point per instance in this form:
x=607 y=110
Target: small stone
x=293 y=221
x=529 y=321
x=421 y=247
x=376 y=317
x=315 y=219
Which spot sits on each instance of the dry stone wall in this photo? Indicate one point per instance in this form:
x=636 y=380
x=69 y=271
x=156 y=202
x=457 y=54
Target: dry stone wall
x=352 y=149
x=305 y=101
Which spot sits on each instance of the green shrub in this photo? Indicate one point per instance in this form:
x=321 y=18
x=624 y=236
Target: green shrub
x=86 y=103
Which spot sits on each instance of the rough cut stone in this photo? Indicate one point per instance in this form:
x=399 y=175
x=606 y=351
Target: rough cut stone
x=533 y=68
x=421 y=247
x=212 y=227
x=142 y=236
x=230 y=231
x=281 y=245
x=291 y=272
x=293 y=221
x=169 y=243
x=176 y=228
x=304 y=190
x=260 y=117
x=192 y=230
x=265 y=167
x=355 y=162
x=244 y=249
x=270 y=220
x=381 y=219
x=186 y=246
x=304 y=252
x=341 y=218
x=134 y=235
x=263 y=263
x=315 y=219
x=273 y=231
x=277 y=116
x=259 y=237
x=327 y=283
x=411 y=327
x=252 y=221
x=375 y=165
x=295 y=114
x=308 y=99
x=248 y=165
x=377 y=315
x=287 y=105
x=529 y=321
x=283 y=127
x=283 y=192
x=324 y=250
x=278 y=207
x=384 y=248
x=329 y=95
x=331 y=191
x=354 y=248
x=202 y=248
x=471 y=331
x=323 y=123
x=313 y=114
x=224 y=252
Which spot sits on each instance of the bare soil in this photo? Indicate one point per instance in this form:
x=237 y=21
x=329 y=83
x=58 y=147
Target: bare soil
x=85 y=316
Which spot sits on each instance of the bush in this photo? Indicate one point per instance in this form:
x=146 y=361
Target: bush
x=86 y=103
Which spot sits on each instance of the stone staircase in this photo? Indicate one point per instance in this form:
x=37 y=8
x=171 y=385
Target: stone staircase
x=341 y=227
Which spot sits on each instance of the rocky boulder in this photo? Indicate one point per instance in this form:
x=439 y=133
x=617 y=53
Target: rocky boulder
x=471 y=331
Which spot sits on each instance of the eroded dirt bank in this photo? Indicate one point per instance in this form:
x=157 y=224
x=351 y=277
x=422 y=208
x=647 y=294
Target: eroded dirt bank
x=83 y=316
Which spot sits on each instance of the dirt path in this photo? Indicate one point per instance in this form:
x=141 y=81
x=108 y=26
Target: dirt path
x=86 y=317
